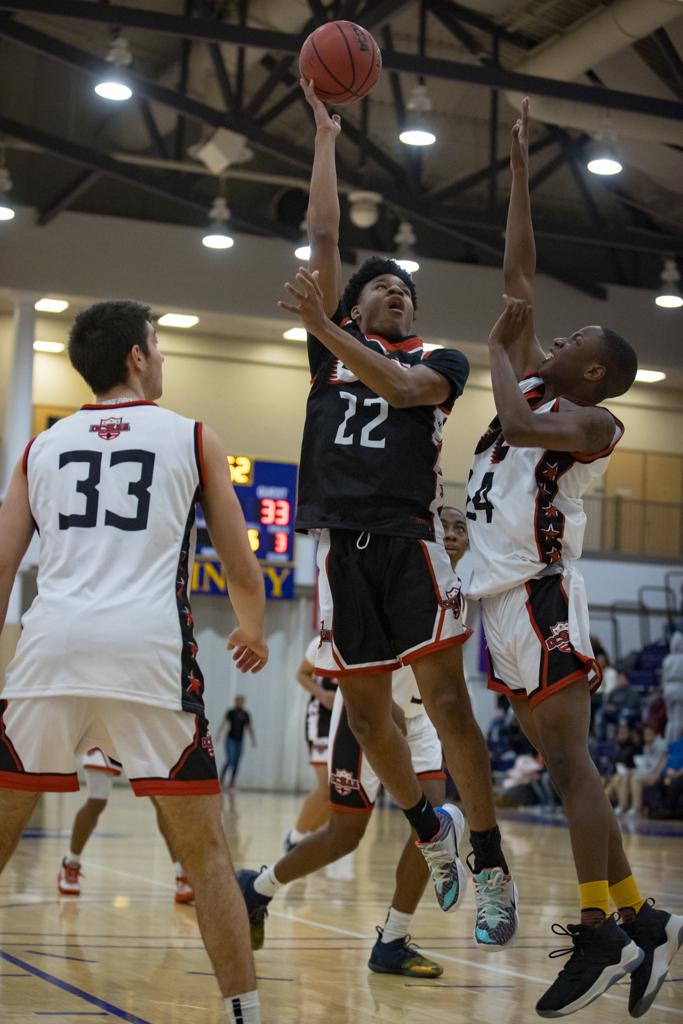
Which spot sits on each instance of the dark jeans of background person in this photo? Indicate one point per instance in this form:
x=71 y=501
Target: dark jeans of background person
x=665 y=801
x=233 y=754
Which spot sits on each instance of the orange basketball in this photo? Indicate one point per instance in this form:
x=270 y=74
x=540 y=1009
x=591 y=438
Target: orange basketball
x=343 y=60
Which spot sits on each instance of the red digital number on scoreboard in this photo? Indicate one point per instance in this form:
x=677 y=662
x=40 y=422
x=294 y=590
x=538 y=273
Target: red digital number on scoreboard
x=281 y=544
x=275 y=512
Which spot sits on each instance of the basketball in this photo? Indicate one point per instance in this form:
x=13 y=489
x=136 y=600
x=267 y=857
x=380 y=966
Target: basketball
x=343 y=60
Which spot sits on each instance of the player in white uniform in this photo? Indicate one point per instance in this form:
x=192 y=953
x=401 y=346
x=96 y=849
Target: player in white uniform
x=315 y=810
x=526 y=521
x=353 y=789
x=107 y=656
x=99 y=771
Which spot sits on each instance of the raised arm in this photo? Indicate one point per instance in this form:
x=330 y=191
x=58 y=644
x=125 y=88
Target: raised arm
x=228 y=532
x=519 y=263
x=16 y=530
x=586 y=430
x=323 y=203
x=402 y=387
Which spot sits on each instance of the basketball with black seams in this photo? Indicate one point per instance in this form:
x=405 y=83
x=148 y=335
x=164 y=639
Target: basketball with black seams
x=343 y=60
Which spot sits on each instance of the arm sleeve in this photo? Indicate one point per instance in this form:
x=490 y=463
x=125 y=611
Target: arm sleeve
x=317 y=353
x=452 y=365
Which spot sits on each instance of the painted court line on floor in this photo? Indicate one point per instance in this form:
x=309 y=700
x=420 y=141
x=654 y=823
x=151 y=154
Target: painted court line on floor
x=115 y=1011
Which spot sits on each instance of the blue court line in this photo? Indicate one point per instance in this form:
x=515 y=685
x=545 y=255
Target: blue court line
x=71 y=1013
x=130 y=1018
x=61 y=956
x=259 y=977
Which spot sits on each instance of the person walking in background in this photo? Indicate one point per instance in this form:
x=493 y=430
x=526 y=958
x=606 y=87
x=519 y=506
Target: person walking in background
x=672 y=688
x=236 y=720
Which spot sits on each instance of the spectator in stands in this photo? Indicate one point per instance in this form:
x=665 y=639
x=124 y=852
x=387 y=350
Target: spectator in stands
x=609 y=673
x=518 y=789
x=655 y=713
x=665 y=799
x=672 y=687
x=623 y=704
x=647 y=768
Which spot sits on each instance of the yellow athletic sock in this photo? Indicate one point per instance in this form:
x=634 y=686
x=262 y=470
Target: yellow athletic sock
x=595 y=896
x=626 y=894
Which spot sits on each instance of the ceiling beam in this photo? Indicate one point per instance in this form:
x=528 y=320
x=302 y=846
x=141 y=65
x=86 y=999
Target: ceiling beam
x=67 y=197
x=488 y=76
x=458 y=185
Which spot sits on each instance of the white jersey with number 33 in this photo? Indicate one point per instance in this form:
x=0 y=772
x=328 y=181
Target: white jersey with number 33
x=112 y=490
x=525 y=505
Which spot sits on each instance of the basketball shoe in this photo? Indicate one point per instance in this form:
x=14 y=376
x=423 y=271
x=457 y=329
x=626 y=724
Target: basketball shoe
x=69 y=879
x=184 y=893
x=441 y=853
x=399 y=957
x=600 y=957
x=497 y=922
x=659 y=934
x=257 y=906
x=288 y=843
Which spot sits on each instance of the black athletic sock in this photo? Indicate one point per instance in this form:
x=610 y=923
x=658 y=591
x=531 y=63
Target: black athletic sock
x=424 y=819
x=487 y=850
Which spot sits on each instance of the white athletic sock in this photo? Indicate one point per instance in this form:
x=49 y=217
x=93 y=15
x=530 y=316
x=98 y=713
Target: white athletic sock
x=396 y=925
x=73 y=858
x=244 y=1008
x=295 y=836
x=267 y=884
x=179 y=869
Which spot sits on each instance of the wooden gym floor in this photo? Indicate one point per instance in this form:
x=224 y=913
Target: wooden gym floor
x=126 y=952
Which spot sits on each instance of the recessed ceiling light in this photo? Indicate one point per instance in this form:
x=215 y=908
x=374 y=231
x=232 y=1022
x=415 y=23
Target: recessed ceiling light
x=649 y=376
x=295 y=334
x=48 y=346
x=177 y=320
x=417 y=137
x=410 y=266
x=51 y=305
x=605 y=166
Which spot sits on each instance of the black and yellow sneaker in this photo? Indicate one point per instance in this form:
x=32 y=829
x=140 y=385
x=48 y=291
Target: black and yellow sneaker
x=600 y=957
x=257 y=906
x=660 y=935
x=399 y=957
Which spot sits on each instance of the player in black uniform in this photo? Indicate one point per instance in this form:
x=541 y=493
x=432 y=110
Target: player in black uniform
x=370 y=481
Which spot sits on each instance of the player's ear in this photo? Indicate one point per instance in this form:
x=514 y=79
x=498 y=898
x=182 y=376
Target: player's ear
x=355 y=312
x=595 y=373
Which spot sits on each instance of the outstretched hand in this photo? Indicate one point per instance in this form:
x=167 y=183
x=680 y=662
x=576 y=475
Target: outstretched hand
x=250 y=654
x=510 y=323
x=309 y=304
x=323 y=120
x=519 y=149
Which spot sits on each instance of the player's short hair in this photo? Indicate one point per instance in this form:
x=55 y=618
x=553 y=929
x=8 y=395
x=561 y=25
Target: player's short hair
x=372 y=268
x=621 y=364
x=101 y=338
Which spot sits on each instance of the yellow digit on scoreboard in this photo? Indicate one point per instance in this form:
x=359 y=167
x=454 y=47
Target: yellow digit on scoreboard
x=254 y=539
x=241 y=467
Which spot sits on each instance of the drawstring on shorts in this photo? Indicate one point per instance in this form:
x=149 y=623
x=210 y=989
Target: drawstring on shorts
x=359 y=543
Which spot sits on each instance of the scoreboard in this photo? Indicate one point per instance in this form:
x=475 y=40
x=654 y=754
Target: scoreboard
x=267 y=494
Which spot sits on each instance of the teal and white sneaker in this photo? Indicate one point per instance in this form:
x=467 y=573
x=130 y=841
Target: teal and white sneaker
x=448 y=873
x=497 y=923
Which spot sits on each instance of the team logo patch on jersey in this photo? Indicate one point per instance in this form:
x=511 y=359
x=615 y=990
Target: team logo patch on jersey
x=559 y=638
x=109 y=428
x=340 y=374
x=207 y=745
x=325 y=635
x=343 y=782
x=454 y=601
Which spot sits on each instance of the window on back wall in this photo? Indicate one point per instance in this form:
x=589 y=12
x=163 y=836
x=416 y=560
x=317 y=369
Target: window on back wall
x=643 y=504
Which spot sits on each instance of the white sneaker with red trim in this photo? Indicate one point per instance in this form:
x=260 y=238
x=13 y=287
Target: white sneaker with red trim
x=69 y=879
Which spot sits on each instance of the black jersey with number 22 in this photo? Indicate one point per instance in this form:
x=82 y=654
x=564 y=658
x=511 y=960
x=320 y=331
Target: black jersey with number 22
x=366 y=465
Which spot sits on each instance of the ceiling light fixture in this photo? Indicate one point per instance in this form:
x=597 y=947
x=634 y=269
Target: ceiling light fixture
x=405 y=240
x=364 y=208
x=48 y=346
x=604 y=160
x=418 y=124
x=114 y=84
x=47 y=305
x=670 y=296
x=295 y=334
x=303 y=249
x=6 y=208
x=183 y=320
x=217 y=236
x=649 y=376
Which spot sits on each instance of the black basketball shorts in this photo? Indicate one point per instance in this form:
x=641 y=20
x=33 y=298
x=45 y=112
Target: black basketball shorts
x=384 y=602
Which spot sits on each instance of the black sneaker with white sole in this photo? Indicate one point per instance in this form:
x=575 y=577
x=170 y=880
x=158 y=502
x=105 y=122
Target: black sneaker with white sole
x=600 y=957
x=660 y=935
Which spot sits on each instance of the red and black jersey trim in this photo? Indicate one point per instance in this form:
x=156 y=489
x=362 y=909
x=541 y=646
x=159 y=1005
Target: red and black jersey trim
x=199 y=452
x=582 y=457
x=549 y=522
x=24 y=458
x=116 y=405
x=191 y=678
x=346 y=761
x=494 y=431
